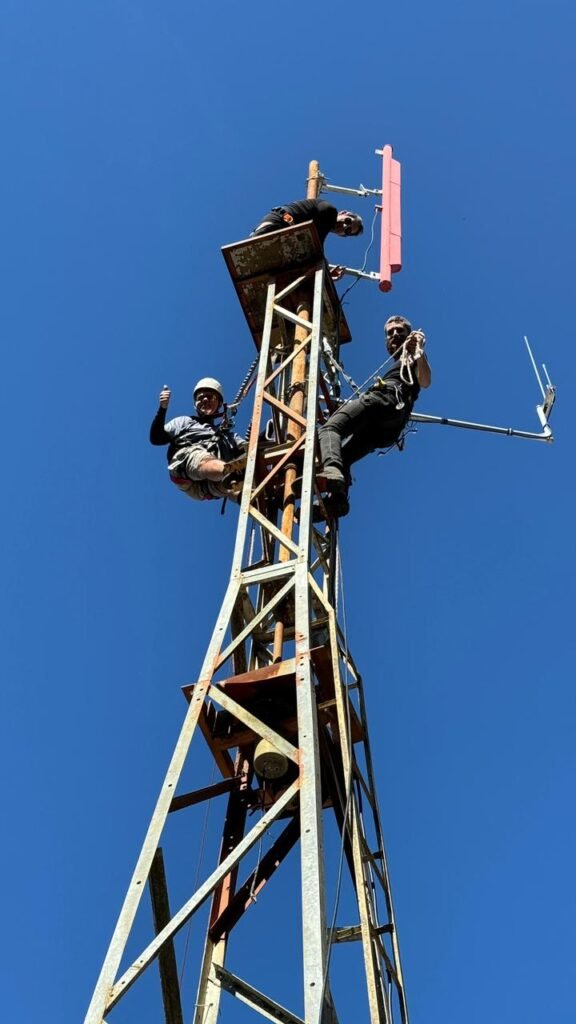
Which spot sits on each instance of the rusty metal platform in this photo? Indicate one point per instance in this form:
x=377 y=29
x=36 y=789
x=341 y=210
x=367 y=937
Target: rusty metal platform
x=282 y=256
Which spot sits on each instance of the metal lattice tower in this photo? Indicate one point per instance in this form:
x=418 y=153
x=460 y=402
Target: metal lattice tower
x=278 y=691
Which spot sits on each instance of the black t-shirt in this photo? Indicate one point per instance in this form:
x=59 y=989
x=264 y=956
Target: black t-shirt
x=323 y=214
x=408 y=392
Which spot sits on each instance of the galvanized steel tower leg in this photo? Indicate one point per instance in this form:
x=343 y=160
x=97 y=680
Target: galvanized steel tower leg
x=312 y=852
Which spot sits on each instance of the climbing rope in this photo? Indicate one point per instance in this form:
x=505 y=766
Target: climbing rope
x=406 y=360
x=252 y=893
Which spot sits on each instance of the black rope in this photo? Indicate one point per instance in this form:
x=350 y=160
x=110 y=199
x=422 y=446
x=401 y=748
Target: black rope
x=245 y=385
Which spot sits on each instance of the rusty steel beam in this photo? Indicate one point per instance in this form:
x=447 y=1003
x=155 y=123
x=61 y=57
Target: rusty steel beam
x=167 y=957
x=207 y=793
x=251 y=888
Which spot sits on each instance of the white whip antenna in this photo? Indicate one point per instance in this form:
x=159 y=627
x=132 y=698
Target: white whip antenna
x=533 y=361
x=548 y=392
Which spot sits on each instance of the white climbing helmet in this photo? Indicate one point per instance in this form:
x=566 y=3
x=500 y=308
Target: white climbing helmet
x=212 y=384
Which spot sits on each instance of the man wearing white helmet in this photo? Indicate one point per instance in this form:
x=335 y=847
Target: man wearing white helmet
x=202 y=454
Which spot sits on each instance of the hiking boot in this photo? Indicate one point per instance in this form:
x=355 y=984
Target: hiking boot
x=320 y=481
x=337 y=505
x=335 y=480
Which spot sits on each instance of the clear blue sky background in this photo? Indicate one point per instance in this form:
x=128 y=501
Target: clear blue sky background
x=138 y=137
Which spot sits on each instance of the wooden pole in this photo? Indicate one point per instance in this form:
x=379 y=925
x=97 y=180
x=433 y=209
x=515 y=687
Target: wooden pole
x=314 y=180
x=294 y=430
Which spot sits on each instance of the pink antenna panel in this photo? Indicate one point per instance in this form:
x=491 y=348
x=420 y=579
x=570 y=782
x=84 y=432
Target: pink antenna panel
x=391 y=237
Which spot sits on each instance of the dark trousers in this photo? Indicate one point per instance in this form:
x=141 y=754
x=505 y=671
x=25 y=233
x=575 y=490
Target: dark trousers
x=273 y=221
x=359 y=427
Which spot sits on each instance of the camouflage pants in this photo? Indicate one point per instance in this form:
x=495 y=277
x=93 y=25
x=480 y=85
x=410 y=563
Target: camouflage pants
x=185 y=470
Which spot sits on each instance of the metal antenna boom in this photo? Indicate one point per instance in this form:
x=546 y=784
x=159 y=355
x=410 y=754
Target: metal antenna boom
x=543 y=412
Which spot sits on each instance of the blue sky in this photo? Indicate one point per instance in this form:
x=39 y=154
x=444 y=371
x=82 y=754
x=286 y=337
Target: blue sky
x=138 y=138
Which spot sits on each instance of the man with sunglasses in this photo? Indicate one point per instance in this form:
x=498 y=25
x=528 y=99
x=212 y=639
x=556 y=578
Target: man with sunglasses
x=377 y=418
x=325 y=217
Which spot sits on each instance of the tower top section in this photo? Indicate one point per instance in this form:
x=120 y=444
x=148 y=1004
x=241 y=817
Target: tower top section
x=281 y=256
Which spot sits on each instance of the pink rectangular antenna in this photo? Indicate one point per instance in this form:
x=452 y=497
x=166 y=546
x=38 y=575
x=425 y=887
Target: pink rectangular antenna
x=391 y=235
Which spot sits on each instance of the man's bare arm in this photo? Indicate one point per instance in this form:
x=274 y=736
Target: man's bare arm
x=416 y=340
x=423 y=372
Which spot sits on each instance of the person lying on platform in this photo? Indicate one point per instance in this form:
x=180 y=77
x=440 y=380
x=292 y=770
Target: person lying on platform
x=205 y=460
x=325 y=217
x=377 y=418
